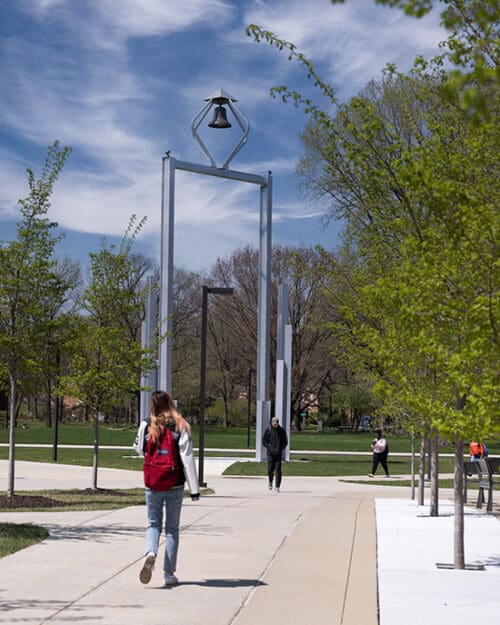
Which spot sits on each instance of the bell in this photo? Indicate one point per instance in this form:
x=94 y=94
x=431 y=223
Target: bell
x=220 y=118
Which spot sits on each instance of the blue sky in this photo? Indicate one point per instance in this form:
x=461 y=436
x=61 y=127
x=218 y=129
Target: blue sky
x=120 y=81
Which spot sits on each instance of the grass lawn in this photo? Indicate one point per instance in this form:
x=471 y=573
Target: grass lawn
x=113 y=458
x=444 y=483
x=16 y=536
x=218 y=437
x=301 y=464
x=68 y=500
x=77 y=500
x=222 y=438
x=329 y=466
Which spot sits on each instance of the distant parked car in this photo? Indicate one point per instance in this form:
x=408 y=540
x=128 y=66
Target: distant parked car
x=365 y=424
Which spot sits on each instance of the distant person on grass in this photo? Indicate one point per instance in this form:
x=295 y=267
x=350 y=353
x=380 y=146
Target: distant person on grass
x=165 y=442
x=275 y=441
x=380 y=448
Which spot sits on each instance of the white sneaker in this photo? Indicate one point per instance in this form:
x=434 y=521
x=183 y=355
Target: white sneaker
x=169 y=579
x=147 y=568
x=270 y=486
x=370 y=474
x=277 y=489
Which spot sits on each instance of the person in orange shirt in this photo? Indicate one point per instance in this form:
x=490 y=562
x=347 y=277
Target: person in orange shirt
x=476 y=451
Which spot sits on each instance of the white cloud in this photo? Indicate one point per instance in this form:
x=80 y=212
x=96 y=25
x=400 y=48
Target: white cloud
x=44 y=6
x=355 y=40
x=154 y=17
x=218 y=215
x=108 y=24
x=14 y=184
x=82 y=78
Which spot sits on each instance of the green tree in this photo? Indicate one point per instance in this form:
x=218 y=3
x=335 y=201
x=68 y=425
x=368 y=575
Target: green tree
x=423 y=225
x=108 y=359
x=235 y=356
x=60 y=306
x=28 y=276
x=424 y=229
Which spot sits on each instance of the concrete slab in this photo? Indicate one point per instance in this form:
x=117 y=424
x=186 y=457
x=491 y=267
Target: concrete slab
x=308 y=555
x=410 y=544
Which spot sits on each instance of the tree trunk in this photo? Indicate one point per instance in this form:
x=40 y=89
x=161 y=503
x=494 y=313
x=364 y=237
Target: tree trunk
x=458 y=483
x=96 y=450
x=48 y=410
x=226 y=412
x=421 y=472
x=412 y=465
x=434 y=465
x=55 y=438
x=136 y=416
x=12 y=434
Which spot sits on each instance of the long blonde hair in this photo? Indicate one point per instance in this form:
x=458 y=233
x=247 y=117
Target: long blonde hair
x=163 y=413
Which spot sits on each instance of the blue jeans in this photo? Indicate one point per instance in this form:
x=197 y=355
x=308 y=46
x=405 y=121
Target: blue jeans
x=155 y=502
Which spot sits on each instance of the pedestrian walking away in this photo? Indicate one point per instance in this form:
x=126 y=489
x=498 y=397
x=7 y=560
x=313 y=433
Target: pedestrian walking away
x=275 y=441
x=165 y=442
x=380 y=448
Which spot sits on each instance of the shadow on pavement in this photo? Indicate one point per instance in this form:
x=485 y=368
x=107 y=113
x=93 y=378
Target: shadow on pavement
x=225 y=583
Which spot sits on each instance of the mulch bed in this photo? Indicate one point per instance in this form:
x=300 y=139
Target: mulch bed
x=38 y=501
x=28 y=501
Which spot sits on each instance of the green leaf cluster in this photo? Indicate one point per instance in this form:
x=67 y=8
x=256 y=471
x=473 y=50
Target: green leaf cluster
x=107 y=359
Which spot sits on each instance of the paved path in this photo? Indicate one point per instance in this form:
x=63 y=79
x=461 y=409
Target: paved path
x=249 y=557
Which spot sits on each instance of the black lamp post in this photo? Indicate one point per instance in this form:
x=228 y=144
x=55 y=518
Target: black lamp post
x=203 y=370
x=249 y=403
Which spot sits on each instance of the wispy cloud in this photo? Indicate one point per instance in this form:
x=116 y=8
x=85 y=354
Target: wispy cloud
x=121 y=81
x=352 y=41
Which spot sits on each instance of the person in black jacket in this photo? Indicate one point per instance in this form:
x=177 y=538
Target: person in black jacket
x=274 y=440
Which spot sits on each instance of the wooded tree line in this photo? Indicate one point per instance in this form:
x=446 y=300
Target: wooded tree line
x=79 y=336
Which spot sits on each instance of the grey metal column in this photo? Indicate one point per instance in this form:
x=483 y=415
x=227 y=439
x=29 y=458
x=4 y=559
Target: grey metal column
x=201 y=430
x=287 y=356
x=169 y=166
x=166 y=272
x=282 y=320
x=282 y=389
x=148 y=338
x=264 y=315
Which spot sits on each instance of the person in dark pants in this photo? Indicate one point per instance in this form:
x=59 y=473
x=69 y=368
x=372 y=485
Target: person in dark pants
x=380 y=448
x=274 y=440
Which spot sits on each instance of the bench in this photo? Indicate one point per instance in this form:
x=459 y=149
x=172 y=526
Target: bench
x=483 y=472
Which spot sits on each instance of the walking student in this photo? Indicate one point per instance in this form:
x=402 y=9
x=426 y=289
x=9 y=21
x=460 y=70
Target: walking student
x=275 y=441
x=380 y=448
x=165 y=442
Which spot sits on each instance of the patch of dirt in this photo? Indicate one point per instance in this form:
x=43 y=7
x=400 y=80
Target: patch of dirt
x=99 y=491
x=38 y=501
x=28 y=501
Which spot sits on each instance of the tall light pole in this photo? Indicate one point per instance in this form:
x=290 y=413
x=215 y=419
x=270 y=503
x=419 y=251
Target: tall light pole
x=249 y=403
x=203 y=373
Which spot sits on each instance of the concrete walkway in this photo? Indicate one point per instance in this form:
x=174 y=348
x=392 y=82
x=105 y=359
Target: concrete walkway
x=247 y=556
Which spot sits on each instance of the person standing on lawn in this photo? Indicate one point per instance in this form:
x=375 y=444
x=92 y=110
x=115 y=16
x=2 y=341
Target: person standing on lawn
x=380 y=448
x=275 y=441
x=166 y=435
